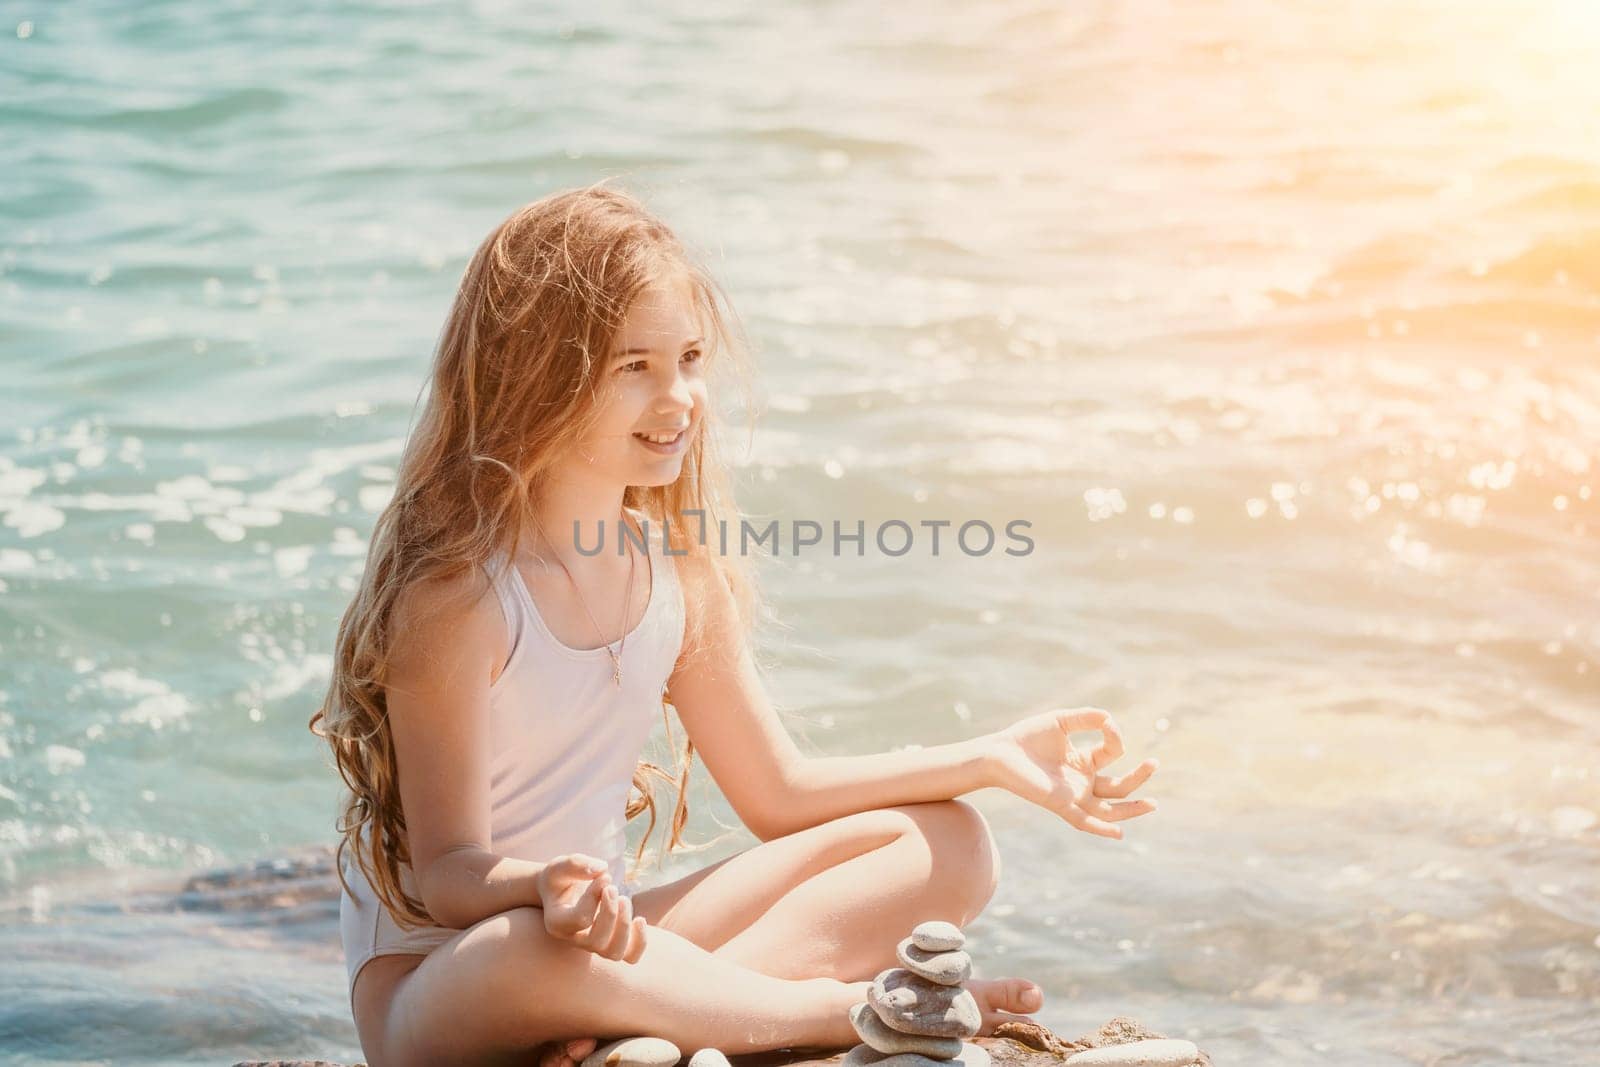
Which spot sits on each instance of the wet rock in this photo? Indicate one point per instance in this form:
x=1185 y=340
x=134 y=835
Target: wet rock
x=938 y=936
x=1155 y=1053
x=634 y=1052
x=913 y=1005
x=946 y=968
x=281 y=884
x=971 y=1055
x=884 y=1038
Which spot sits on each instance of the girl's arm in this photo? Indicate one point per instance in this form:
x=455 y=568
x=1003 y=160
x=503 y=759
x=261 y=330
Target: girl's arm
x=820 y=788
x=449 y=637
x=465 y=885
x=446 y=644
x=773 y=787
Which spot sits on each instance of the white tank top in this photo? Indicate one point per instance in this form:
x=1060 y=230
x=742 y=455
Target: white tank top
x=564 y=741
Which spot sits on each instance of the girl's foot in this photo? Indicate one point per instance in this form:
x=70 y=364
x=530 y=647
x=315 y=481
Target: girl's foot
x=1004 y=999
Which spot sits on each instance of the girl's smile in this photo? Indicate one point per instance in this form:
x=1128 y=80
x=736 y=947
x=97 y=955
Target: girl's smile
x=662 y=444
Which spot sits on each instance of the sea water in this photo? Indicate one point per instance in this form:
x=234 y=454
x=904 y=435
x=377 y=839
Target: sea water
x=1278 y=324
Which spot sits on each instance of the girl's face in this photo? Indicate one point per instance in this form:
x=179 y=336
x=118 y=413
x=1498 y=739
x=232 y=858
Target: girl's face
x=653 y=387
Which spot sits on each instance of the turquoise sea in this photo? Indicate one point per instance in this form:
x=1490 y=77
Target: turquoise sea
x=1279 y=322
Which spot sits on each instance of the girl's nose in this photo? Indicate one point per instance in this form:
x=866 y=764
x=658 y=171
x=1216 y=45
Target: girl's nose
x=678 y=399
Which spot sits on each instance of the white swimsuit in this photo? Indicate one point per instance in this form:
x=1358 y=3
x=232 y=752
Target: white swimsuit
x=565 y=741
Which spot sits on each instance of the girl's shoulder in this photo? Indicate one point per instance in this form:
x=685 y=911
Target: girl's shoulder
x=443 y=598
x=455 y=616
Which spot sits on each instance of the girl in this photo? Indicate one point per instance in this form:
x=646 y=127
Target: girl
x=495 y=680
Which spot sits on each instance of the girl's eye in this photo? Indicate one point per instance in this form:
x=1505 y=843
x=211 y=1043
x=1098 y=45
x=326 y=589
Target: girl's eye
x=694 y=355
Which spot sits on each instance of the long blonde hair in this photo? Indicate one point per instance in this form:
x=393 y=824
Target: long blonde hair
x=515 y=382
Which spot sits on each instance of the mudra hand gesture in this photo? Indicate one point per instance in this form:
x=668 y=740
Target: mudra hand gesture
x=1037 y=760
x=582 y=906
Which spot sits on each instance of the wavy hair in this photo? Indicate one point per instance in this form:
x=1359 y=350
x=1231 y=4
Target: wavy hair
x=516 y=380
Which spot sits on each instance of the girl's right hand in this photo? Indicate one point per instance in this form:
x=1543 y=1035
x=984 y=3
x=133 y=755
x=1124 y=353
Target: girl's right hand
x=582 y=906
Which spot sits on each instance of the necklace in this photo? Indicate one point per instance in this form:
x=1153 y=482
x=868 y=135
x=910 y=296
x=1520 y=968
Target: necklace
x=627 y=598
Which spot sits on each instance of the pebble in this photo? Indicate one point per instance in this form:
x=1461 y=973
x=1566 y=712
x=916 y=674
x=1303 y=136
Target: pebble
x=709 y=1057
x=913 y=1005
x=884 y=1038
x=938 y=936
x=946 y=968
x=971 y=1055
x=1165 y=1052
x=634 y=1052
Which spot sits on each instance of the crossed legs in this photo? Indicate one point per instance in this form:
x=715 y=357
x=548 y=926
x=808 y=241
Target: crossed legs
x=766 y=949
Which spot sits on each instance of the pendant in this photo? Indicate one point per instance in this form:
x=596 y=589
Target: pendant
x=616 y=675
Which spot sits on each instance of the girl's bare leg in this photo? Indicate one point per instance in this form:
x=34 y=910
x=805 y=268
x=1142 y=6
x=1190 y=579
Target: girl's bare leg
x=835 y=899
x=499 y=989
x=929 y=861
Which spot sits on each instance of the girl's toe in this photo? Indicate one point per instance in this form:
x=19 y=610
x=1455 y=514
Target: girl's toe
x=1020 y=996
x=1004 y=999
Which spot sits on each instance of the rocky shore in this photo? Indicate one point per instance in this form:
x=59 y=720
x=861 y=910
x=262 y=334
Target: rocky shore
x=1016 y=1045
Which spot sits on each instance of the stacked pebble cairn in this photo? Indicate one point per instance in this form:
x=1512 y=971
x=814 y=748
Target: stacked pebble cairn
x=918 y=1014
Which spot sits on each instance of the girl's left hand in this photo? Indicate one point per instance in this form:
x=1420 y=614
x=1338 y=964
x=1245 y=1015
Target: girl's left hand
x=1036 y=759
x=565 y=1053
